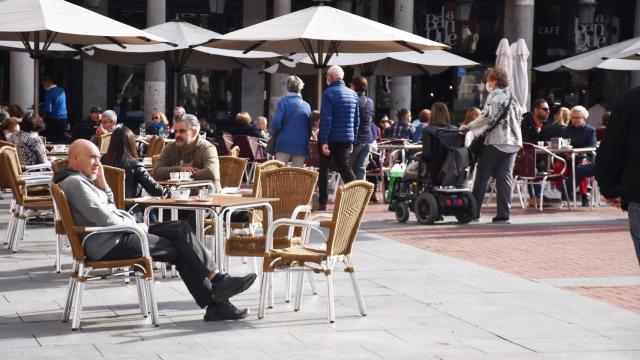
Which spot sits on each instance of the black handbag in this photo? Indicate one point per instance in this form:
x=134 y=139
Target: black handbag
x=477 y=145
x=271 y=145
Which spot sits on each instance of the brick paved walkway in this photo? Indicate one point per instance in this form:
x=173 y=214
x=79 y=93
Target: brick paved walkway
x=567 y=249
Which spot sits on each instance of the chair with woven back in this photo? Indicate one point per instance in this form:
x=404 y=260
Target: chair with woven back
x=231 y=171
x=293 y=187
x=25 y=205
x=6 y=143
x=115 y=179
x=156 y=144
x=82 y=266
x=105 y=139
x=350 y=206
x=4 y=183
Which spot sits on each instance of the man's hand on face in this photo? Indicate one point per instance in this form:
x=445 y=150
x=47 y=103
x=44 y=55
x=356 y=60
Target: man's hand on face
x=100 y=131
x=100 y=181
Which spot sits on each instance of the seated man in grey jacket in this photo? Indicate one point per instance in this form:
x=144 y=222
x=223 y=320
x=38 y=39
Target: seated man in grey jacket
x=91 y=203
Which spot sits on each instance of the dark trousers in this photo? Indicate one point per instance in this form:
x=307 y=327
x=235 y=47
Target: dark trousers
x=583 y=170
x=175 y=243
x=54 y=130
x=339 y=157
x=499 y=165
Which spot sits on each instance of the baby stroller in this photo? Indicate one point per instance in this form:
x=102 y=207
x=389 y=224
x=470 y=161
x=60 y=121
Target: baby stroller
x=433 y=183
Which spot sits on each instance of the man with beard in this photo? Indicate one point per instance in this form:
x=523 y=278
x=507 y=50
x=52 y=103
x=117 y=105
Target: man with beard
x=189 y=153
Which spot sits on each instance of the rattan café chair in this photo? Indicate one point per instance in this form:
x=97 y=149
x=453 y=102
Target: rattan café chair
x=349 y=209
x=141 y=266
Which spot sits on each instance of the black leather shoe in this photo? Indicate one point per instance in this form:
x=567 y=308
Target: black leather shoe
x=230 y=286
x=224 y=311
x=500 y=220
x=322 y=207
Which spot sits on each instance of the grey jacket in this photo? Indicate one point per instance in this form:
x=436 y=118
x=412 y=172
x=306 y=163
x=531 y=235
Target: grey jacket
x=508 y=132
x=92 y=206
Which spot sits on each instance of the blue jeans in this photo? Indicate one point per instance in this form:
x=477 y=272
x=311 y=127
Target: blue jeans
x=360 y=160
x=634 y=226
x=582 y=171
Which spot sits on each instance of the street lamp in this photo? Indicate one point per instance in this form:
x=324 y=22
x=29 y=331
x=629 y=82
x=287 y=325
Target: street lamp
x=217 y=6
x=587 y=11
x=463 y=10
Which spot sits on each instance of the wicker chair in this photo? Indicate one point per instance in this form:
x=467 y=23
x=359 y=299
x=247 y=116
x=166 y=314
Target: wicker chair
x=231 y=171
x=142 y=266
x=115 y=179
x=59 y=164
x=6 y=143
x=156 y=144
x=294 y=188
x=25 y=205
x=349 y=209
x=105 y=139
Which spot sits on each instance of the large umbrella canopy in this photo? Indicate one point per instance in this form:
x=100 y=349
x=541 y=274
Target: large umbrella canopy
x=404 y=63
x=619 y=56
x=185 y=36
x=321 y=32
x=504 y=58
x=520 y=85
x=40 y=23
x=20 y=46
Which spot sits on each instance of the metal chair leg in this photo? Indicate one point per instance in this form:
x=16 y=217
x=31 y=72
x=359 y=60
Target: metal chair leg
x=270 y=289
x=314 y=290
x=356 y=287
x=75 y=324
x=142 y=296
x=264 y=285
x=17 y=239
x=300 y=280
x=70 y=299
x=153 y=303
x=58 y=249
x=288 y=293
x=330 y=304
x=10 y=229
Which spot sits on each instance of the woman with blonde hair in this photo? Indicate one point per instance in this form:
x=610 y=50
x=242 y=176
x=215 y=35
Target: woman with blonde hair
x=158 y=121
x=560 y=121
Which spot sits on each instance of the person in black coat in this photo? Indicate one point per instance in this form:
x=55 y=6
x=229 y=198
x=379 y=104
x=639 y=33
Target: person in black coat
x=244 y=126
x=533 y=122
x=560 y=122
x=122 y=154
x=617 y=168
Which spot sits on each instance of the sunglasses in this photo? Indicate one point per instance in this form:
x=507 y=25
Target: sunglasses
x=544 y=109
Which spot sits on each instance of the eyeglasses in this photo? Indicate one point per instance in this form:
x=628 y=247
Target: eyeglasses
x=576 y=117
x=544 y=109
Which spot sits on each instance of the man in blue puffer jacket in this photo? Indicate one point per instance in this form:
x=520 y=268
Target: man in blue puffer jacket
x=339 y=120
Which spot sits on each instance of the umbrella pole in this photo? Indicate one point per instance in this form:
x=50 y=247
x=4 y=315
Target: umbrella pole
x=36 y=86
x=319 y=95
x=175 y=89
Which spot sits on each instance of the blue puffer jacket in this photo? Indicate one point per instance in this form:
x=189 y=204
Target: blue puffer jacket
x=339 y=116
x=292 y=124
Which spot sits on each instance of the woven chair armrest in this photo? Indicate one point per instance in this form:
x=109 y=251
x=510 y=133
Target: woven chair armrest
x=305 y=224
x=294 y=215
x=124 y=228
x=321 y=216
x=34 y=181
x=45 y=166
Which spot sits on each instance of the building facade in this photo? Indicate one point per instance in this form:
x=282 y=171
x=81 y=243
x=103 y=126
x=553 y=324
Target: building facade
x=552 y=29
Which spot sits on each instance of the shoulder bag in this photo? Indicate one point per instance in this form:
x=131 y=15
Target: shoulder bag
x=477 y=145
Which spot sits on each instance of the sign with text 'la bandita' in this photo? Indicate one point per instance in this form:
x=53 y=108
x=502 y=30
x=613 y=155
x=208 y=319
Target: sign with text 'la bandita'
x=441 y=27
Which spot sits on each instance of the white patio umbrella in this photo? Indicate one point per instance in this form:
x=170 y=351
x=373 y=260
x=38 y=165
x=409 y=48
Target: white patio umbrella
x=520 y=85
x=40 y=23
x=321 y=32
x=504 y=58
x=184 y=35
x=406 y=63
x=624 y=55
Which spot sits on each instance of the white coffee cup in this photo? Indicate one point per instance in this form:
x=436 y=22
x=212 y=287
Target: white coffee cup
x=174 y=175
x=203 y=194
x=185 y=175
x=180 y=194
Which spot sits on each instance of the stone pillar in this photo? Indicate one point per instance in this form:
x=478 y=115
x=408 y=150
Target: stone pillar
x=155 y=76
x=21 y=80
x=518 y=24
x=401 y=85
x=635 y=75
x=94 y=78
x=253 y=90
x=278 y=86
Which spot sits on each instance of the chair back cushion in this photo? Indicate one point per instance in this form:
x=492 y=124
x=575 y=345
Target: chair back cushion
x=525 y=165
x=62 y=208
x=231 y=171
x=249 y=147
x=351 y=203
x=115 y=179
x=292 y=186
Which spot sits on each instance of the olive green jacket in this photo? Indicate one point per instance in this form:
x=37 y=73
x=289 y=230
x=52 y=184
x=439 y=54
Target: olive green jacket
x=202 y=155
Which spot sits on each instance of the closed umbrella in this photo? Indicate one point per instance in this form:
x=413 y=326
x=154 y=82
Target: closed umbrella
x=184 y=35
x=322 y=32
x=619 y=56
x=520 y=86
x=40 y=23
x=407 y=63
x=504 y=58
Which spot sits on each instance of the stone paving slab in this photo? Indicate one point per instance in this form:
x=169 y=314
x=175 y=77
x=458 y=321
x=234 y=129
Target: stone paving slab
x=421 y=305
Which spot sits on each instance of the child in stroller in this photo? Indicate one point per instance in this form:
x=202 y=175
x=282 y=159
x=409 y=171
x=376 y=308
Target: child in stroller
x=433 y=184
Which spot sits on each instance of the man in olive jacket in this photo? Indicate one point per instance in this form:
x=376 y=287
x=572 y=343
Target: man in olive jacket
x=618 y=161
x=189 y=153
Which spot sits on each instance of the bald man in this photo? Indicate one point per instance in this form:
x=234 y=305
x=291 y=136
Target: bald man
x=91 y=203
